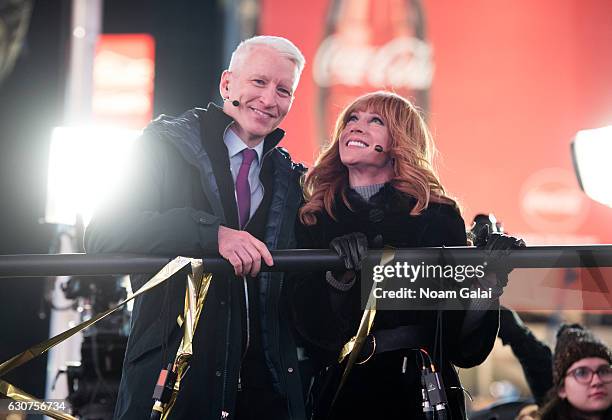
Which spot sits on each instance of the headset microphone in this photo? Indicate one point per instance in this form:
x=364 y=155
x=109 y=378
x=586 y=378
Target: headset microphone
x=234 y=102
x=378 y=148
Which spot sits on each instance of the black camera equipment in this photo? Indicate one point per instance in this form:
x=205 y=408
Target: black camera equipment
x=93 y=382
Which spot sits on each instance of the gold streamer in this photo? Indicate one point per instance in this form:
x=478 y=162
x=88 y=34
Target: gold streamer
x=14 y=362
x=18 y=395
x=195 y=294
x=353 y=347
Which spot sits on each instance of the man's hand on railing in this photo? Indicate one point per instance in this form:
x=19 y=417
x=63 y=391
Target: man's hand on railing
x=243 y=251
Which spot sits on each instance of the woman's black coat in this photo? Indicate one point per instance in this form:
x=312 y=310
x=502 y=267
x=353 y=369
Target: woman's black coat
x=326 y=318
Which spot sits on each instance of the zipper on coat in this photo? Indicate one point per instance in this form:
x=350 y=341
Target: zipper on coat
x=247 y=316
x=248 y=330
x=281 y=357
x=224 y=411
x=227 y=345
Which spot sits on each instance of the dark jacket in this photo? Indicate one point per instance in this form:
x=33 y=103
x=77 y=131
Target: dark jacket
x=557 y=408
x=378 y=386
x=178 y=192
x=534 y=355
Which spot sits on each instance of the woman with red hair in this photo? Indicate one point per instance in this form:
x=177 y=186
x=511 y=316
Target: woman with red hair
x=375 y=185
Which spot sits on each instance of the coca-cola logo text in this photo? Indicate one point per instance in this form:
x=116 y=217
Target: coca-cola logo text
x=403 y=62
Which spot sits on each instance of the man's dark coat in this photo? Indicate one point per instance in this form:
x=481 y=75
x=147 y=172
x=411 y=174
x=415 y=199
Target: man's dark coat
x=179 y=191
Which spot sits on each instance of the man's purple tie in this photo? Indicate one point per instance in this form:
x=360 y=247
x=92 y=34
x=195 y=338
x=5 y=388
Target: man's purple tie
x=243 y=189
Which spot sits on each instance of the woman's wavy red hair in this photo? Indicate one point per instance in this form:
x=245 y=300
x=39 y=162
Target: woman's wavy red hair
x=411 y=148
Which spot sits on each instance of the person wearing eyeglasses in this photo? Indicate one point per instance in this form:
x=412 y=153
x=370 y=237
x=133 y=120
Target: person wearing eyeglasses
x=582 y=377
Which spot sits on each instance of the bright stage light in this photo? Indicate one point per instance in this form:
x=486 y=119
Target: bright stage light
x=591 y=151
x=84 y=165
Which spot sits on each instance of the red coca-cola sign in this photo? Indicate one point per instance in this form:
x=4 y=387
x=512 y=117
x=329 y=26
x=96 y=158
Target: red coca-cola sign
x=506 y=88
x=370 y=45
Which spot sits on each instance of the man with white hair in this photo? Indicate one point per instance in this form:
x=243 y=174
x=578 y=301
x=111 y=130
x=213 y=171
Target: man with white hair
x=214 y=180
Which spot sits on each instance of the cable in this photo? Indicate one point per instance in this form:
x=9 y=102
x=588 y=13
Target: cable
x=436 y=335
x=465 y=391
x=431 y=365
x=439 y=331
x=165 y=328
x=420 y=353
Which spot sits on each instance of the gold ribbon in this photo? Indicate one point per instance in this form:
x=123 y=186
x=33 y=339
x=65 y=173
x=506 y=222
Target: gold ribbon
x=164 y=274
x=353 y=347
x=18 y=395
x=195 y=294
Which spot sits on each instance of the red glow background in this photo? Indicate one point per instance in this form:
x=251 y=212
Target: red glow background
x=513 y=83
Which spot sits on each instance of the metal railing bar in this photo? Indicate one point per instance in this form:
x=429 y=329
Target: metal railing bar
x=43 y=265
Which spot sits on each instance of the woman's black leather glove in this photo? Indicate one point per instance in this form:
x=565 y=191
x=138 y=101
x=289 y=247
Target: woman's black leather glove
x=497 y=247
x=497 y=241
x=352 y=248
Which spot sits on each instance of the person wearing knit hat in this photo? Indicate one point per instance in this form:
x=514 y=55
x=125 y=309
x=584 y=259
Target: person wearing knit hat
x=582 y=377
